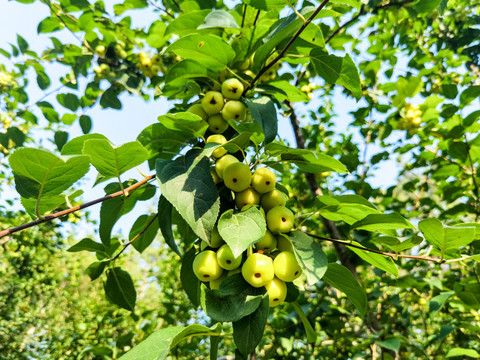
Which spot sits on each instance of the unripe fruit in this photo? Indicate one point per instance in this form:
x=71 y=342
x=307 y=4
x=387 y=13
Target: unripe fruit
x=280 y=219
x=216 y=240
x=272 y=199
x=223 y=162
x=219 y=139
x=206 y=267
x=277 y=292
x=100 y=50
x=142 y=55
x=258 y=270
x=286 y=267
x=247 y=197
x=232 y=89
x=263 y=180
x=212 y=102
x=216 y=124
x=215 y=177
x=215 y=284
x=284 y=244
x=146 y=62
x=267 y=243
x=237 y=176
x=226 y=259
x=197 y=109
x=234 y=110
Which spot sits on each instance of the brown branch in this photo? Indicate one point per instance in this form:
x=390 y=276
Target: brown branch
x=72 y=209
x=161 y=9
x=391 y=255
x=125 y=246
x=347 y=24
x=284 y=50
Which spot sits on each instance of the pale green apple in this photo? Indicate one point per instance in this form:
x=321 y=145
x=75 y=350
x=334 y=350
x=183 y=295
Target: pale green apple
x=272 y=199
x=286 y=266
x=226 y=259
x=197 y=109
x=277 y=292
x=212 y=102
x=223 y=162
x=257 y=270
x=280 y=220
x=234 y=110
x=216 y=124
x=247 y=197
x=237 y=176
x=218 y=139
x=232 y=89
x=267 y=243
x=206 y=267
x=263 y=180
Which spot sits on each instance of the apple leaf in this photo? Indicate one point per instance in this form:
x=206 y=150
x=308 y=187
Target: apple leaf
x=190 y=282
x=310 y=256
x=263 y=111
x=119 y=288
x=380 y=261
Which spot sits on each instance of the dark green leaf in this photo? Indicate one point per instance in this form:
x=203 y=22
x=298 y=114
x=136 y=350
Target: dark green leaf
x=147 y=236
x=109 y=99
x=85 y=123
x=380 y=261
x=95 y=269
x=61 y=138
x=165 y=223
x=119 y=288
x=383 y=223
x=49 y=25
x=190 y=282
x=310 y=256
x=263 y=111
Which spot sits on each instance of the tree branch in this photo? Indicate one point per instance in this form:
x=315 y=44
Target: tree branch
x=347 y=24
x=72 y=209
x=284 y=50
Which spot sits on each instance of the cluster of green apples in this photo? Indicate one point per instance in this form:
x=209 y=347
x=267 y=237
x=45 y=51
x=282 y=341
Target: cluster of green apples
x=271 y=261
x=109 y=59
x=7 y=82
x=150 y=66
x=411 y=119
x=218 y=107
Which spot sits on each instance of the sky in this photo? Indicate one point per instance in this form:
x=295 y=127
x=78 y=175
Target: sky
x=124 y=125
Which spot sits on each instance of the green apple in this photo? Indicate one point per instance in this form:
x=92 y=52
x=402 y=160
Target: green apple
x=226 y=259
x=263 y=180
x=215 y=239
x=280 y=219
x=219 y=139
x=216 y=124
x=197 y=109
x=267 y=243
x=247 y=197
x=234 y=110
x=272 y=199
x=237 y=176
x=223 y=162
x=257 y=270
x=284 y=244
x=286 y=267
x=277 y=292
x=215 y=177
x=215 y=284
x=206 y=267
x=232 y=89
x=212 y=102
x=100 y=50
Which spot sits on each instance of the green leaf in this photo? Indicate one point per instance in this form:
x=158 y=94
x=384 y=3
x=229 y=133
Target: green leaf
x=69 y=101
x=437 y=302
x=95 y=269
x=119 y=288
x=109 y=99
x=242 y=229
x=165 y=223
x=40 y=174
x=383 y=223
x=342 y=279
x=111 y=161
x=61 y=138
x=352 y=3
x=463 y=352
x=75 y=146
x=396 y=244
x=187 y=184
x=310 y=256
x=87 y=245
x=252 y=127
x=22 y=44
x=49 y=25
x=211 y=51
x=444 y=237
x=380 y=261
x=219 y=18
x=311 y=333
x=43 y=80
x=469 y=94
x=248 y=331
x=392 y=344
x=263 y=111
x=335 y=69
x=266 y=5
x=190 y=282
x=156 y=34
x=119 y=9
x=145 y=239
x=85 y=123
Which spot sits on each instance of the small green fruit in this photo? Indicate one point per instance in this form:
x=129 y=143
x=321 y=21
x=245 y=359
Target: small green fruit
x=258 y=270
x=232 y=89
x=216 y=124
x=272 y=199
x=226 y=259
x=237 y=176
x=280 y=219
x=212 y=102
x=206 y=267
x=247 y=197
x=100 y=50
x=219 y=139
x=215 y=284
x=234 y=110
x=197 y=109
x=215 y=177
x=284 y=244
x=216 y=240
x=267 y=243
x=223 y=162
x=286 y=267
x=263 y=180
x=277 y=292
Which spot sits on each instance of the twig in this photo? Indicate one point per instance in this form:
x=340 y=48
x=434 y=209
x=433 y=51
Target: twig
x=256 y=18
x=284 y=50
x=393 y=256
x=243 y=15
x=135 y=238
x=161 y=9
x=347 y=24
x=177 y=5
x=72 y=209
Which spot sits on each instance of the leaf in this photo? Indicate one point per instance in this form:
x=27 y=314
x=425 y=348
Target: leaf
x=95 y=269
x=145 y=239
x=87 y=245
x=310 y=256
x=209 y=50
x=109 y=99
x=69 y=101
x=437 y=302
x=380 y=261
x=248 y=331
x=61 y=138
x=156 y=34
x=383 y=223
x=463 y=352
x=266 y=5
x=335 y=69
x=219 y=18
x=445 y=237
x=469 y=94
x=40 y=174
x=392 y=344
x=85 y=123
x=342 y=279
x=22 y=44
x=49 y=25
x=187 y=184
x=111 y=161
x=119 y=288
x=165 y=223
x=75 y=146
x=190 y=282
x=242 y=229
x=43 y=80
x=263 y=111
